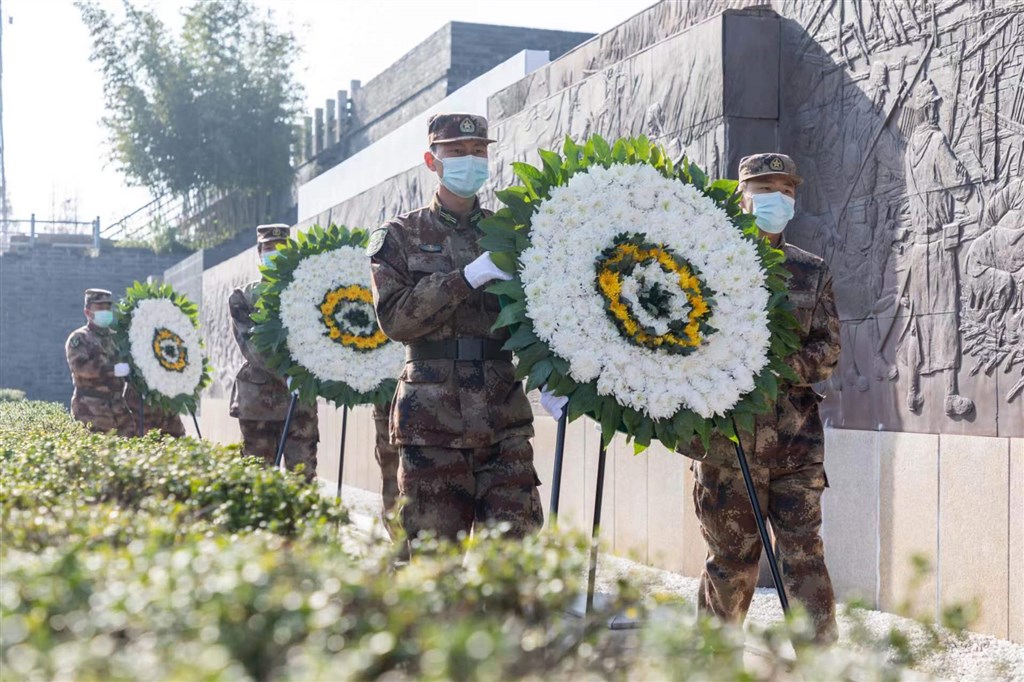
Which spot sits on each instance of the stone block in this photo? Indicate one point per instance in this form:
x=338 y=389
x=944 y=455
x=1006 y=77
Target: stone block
x=631 y=498
x=1016 y=620
x=908 y=505
x=974 y=528
x=667 y=492
x=850 y=508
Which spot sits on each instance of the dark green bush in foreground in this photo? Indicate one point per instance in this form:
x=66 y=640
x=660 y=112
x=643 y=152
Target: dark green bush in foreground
x=149 y=559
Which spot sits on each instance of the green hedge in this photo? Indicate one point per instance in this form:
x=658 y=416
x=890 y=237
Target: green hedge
x=155 y=559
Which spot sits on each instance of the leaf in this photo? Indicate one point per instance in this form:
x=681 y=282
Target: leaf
x=509 y=314
x=584 y=400
x=539 y=374
x=521 y=338
x=744 y=421
x=527 y=357
x=552 y=166
x=504 y=260
x=645 y=432
x=601 y=149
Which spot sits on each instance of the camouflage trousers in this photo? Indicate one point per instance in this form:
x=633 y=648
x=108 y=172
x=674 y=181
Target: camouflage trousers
x=166 y=423
x=105 y=415
x=448 y=491
x=791 y=501
x=260 y=439
x=387 y=456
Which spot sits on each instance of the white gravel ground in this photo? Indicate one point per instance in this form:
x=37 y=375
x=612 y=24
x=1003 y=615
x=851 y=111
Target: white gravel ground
x=971 y=658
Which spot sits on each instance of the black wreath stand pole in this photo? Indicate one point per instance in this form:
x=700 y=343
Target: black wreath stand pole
x=762 y=529
x=195 y=422
x=341 y=450
x=556 y=476
x=287 y=427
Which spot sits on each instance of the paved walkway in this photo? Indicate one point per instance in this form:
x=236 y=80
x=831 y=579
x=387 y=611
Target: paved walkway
x=972 y=658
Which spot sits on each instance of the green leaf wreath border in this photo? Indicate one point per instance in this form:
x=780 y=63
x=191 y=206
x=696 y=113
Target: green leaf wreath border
x=507 y=235
x=123 y=311
x=270 y=336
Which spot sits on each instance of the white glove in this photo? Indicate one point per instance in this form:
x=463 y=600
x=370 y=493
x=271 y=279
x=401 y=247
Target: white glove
x=122 y=369
x=483 y=270
x=553 y=404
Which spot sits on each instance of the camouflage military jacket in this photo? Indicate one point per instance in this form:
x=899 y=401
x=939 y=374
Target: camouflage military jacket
x=258 y=392
x=420 y=294
x=99 y=395
x=790 y=435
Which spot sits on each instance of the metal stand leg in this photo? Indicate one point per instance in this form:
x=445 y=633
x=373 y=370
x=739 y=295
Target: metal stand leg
x=195 y=422
x=762 y=529
x=284 y=433
x=142 y=418
x=556 y=476
x=598 y=499
x=341 y=453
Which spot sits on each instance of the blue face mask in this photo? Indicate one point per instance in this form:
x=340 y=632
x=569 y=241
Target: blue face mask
x=267 y=259
x=103 y=318
x=773 y=211
x=464 y=175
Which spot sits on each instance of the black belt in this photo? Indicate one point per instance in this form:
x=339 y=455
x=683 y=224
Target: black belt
x=457 y=349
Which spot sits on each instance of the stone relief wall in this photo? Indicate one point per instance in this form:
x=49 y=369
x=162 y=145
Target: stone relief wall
x=907 y=120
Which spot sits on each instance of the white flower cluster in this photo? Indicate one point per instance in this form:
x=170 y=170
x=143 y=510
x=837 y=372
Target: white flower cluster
x=327 y=360
x=149 y=315
x=578 y=222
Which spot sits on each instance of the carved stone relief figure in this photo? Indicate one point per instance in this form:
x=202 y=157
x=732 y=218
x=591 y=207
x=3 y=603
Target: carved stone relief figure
x=992 y=321
x=936 y=181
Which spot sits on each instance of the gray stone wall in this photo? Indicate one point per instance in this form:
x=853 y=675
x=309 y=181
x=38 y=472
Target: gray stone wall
x=444 y=62
x=41 y=304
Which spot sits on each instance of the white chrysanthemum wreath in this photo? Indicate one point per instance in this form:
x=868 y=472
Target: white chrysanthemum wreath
x=641 y=291
x=157 y=330
x=316 y=322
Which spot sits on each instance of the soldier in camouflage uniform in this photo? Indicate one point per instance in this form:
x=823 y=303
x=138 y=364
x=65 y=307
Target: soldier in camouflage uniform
x=259 y=397
x=158 y=419
x=387 y=456
x=97 y=371
x=460 y=417
x=786 y=453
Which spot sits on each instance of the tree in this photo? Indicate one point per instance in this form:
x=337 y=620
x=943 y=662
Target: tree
x=211 y=109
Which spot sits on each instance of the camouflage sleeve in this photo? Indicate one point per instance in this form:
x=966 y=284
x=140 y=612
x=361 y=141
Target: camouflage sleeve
x=86 y=360
x=409 y=308
x=819 y=354
x=241 y=326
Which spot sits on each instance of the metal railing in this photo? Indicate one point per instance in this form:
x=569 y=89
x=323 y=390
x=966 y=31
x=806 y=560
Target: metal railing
x=28 y=231
x=167 y=209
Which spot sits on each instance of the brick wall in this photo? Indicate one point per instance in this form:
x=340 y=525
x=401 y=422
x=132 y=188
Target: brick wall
x=41 y=293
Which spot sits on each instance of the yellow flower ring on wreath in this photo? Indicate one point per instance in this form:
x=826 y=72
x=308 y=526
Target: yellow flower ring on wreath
x=620 y=260
x=170 y=350
x=358 y=321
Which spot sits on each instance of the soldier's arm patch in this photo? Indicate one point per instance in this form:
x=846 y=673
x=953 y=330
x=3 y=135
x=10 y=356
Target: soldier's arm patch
x=76 y=341
x=377 y=238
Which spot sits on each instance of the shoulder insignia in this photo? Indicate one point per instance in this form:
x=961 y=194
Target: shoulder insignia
x=76 y=341
x=376 y=242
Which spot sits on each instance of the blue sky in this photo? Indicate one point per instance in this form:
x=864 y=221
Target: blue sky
x=56 y=157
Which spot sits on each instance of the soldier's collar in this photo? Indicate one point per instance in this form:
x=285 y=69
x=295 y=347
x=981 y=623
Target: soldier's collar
x=451 y=218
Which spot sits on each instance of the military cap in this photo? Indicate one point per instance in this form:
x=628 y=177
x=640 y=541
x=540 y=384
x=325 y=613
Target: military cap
x=277 y=232
x=756 y=165
x=97 y=296
x=455 y=127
